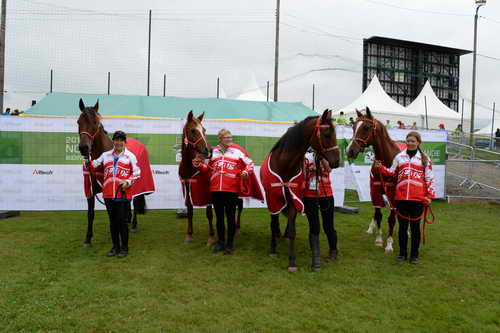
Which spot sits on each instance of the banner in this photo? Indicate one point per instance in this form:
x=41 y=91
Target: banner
x=41 y=166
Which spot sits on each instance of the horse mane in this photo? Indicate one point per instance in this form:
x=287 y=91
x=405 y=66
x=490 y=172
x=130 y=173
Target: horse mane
x=293 y=139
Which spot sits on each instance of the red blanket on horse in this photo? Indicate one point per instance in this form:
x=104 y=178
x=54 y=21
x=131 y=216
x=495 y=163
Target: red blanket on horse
x=144 y=185
x=274 y=188
x=195 y=190
x=379 y=187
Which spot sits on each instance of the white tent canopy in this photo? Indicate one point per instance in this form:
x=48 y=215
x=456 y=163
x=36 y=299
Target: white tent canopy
x=487 y=129
x=437 y=111
x=382 y=106
x=252 y=92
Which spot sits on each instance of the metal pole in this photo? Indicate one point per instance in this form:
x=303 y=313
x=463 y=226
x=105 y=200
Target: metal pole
x=313 y=98
x=426 y=119
x=268 y=91
x=164 y=85
x=2 y=53
x=276 y=50
x=492 y=126
x=149 y=51
x=109 y=81
x=462 y=118
x=473 y=102
x=51 y=79
x=217 y=87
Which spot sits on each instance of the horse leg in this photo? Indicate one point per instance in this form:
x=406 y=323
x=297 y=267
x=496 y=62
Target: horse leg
x=392 y=223
x=90 y=221
x=379 y=241
x=238 y=217
x=372 y=226
x=292 y=214
x=132 y=218
x=189 y=231
x=275 y=233
x=211 y=233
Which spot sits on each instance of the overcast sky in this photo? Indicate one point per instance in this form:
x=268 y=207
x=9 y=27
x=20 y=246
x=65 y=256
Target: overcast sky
x=194 y=42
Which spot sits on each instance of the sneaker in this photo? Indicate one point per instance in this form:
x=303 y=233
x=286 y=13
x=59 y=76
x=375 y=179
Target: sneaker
x=123 y=253
x=113 y=252
x=414 y=260
x=401 y=258
x=218 y=248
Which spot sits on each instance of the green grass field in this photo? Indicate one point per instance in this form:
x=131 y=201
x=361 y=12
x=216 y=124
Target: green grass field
x=50 y=283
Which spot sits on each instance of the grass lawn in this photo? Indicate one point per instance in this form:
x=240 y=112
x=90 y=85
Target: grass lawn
x=49 y=282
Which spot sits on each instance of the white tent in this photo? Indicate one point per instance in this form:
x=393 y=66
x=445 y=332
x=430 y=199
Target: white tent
x=437 y=111
x=381 y=105
x=487 y=129
x=252 y=92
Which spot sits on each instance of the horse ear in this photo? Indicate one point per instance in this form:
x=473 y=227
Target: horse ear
x=190 y=115
x=327 y=114
x=81 y=105
x=359 y=113
x=200 y=117
x=369 y=113
x=96 y=106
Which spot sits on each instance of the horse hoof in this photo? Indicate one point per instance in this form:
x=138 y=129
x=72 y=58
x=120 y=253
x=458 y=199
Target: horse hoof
x=293 y=269
x=188 y=240
x=211 y=242
x=134 y=230
x=316 y=269
x=87 y=245
x=273 y=254
x=378 y=244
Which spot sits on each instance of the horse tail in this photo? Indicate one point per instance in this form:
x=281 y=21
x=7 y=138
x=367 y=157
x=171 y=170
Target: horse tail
x=140 y=204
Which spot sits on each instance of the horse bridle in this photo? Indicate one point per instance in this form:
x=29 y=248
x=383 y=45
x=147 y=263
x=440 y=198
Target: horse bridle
x=193 y=143
x=317 y=131
x=364 y=142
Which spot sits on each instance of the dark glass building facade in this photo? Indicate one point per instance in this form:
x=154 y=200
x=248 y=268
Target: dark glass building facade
x=403 y=67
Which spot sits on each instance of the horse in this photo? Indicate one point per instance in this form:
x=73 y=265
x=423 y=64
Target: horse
x=368 y=131
x=94 y=140
x=195 y=184
x=282 y=176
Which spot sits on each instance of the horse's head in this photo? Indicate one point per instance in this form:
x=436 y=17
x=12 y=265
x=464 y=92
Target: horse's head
x=324 y=139
x=193 y=134
x=364 y=133
x=89 y=124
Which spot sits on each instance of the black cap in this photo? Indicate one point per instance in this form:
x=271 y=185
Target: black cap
x=120 y=135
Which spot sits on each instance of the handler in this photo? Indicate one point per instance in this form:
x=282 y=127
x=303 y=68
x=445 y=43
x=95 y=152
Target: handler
x=228 y=164
x=120 y=172
x=412 y=170
x=318 y=196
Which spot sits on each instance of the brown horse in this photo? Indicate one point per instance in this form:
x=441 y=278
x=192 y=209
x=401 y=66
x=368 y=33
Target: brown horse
x=368 y=131
x=286 y=160
x=93 y=142
x=194 y=143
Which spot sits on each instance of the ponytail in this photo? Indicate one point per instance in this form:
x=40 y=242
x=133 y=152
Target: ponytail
x=425 y=158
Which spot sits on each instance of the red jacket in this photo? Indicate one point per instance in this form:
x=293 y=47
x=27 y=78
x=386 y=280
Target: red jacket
x=225 y=168
x=312 y=189
x=126 y=171
x=413 y=183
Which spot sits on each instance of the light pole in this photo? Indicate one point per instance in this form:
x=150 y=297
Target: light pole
x=479 y=3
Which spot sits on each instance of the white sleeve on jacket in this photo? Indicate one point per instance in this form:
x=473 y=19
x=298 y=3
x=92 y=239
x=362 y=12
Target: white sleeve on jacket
x=136 y=171
x=97 y=162
x=429 y=181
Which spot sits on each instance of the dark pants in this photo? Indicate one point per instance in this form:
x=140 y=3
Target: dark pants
x=326 y=205
x=117 y=212
x=225 y=202
x=411 y=209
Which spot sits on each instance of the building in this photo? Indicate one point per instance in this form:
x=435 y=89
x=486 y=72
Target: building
x=403 y=67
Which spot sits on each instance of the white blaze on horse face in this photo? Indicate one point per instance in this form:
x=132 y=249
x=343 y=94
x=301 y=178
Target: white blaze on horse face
x=200 y=129
x=354 y=134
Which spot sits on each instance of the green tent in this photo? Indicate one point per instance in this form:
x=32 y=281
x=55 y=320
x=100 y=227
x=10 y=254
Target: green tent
x=62 y=104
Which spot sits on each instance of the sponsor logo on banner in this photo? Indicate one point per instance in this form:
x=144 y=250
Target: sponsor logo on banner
x=160 y=172
x=43 y=172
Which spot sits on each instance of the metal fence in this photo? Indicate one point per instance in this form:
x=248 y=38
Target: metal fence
x=472 y=172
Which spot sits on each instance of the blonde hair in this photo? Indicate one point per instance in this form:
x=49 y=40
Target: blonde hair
x=223 y=132
x=416 y=135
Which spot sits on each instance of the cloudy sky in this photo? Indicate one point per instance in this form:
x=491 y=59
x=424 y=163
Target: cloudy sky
x=194 y=42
